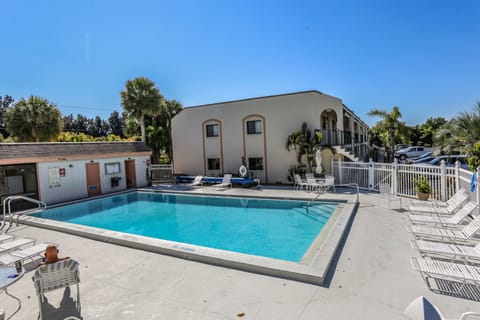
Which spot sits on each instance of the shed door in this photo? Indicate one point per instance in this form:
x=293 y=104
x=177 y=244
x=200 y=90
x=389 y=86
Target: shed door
x=130 y=174
x=93 y=179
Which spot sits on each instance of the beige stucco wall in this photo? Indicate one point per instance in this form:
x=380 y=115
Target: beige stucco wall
x=282 y=115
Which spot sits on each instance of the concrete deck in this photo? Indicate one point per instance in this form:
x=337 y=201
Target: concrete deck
x=372 y=279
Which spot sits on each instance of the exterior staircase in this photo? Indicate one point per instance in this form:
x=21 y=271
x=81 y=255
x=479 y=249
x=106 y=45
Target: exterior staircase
x=346 y=151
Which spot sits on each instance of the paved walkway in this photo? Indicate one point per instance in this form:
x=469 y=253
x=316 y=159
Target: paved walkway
x=372 y=279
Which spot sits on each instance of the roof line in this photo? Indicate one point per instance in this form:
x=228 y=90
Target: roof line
x=254 y=98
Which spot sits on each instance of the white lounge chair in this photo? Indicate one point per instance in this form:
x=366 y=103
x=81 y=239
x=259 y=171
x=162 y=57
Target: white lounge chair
x=197 y=182
x=451 y=208
x=299 y=183
x=462 y=273
x=15 y=244
x=443 y=221
x=6 y=237
x=459 y=196
x=464 y=235
x=422 y=309
x=387 y=195
x=448 y=250
x=226 y=182
x=56 y=276
x=30 y=253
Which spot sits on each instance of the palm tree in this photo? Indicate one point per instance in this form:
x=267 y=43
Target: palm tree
x=461 y=134
x=140 y=98
x=390 y=126
x=305 y=143
x=34 y=119
x=155 y=138
x=172 y=108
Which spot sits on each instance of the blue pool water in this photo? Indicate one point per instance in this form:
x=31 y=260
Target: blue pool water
x=279 y=229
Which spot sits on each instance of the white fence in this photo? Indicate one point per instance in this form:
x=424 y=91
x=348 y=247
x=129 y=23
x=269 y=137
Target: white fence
x=444 y=181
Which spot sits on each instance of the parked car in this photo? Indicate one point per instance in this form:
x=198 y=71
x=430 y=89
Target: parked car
x=426 y=157
x=401 y=146
x=411 y=152
x=450 y=160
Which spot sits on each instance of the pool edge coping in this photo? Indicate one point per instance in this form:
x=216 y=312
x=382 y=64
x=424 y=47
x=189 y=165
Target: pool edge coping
x=314 y=273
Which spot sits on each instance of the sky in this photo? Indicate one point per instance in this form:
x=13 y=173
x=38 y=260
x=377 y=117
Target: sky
x=422 y=56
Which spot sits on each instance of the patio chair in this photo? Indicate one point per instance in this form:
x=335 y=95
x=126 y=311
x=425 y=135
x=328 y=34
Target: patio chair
x=450 y=209
x=443 y=221
x=299 y=182
x=459 y=196
x=197 y=182
x=31 y=253
x=313 y=184
x=56 y=276
x=387 y=195
x=329 y=183
x=464 y=235
x=447 y=250
x=422 y=309
x=226 y=182
x=461 y=273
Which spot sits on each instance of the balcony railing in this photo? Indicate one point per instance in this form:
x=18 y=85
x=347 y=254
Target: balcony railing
x=340 y=138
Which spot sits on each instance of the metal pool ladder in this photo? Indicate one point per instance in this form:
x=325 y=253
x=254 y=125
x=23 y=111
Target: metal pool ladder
x=8 y=209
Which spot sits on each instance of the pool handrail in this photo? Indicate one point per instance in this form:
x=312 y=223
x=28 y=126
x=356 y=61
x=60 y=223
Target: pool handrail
x=7 y=204
x=336 y=185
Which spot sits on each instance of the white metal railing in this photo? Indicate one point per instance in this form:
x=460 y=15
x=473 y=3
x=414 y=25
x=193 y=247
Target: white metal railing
x=7 y=208
x=444 y=181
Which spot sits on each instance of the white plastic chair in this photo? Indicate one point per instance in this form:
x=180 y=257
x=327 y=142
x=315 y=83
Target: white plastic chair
x=329 y=183
x=422 y=309
x=387 y=195
x=226 y=182
x=299 y=183
x=55 y=276
x=197 y=182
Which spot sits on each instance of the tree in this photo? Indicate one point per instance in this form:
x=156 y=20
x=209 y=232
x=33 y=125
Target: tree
x=116 y=124
x=390 y=128
x=462 y=134
x=172 y=108
x=305 y=143
x=5 y=103
x=155 y=136
x=34 y=119
x=142 y=98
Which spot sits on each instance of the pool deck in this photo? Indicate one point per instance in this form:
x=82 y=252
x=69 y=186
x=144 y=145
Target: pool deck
x=372 y=279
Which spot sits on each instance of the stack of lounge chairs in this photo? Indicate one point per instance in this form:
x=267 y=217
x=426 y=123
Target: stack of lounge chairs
x=447 y=237
x=14 y=248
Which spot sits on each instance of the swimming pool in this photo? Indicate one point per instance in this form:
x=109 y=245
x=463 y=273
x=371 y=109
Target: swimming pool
x=272 y=228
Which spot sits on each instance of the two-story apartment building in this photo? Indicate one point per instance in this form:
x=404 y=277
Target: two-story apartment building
x=212 y=139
